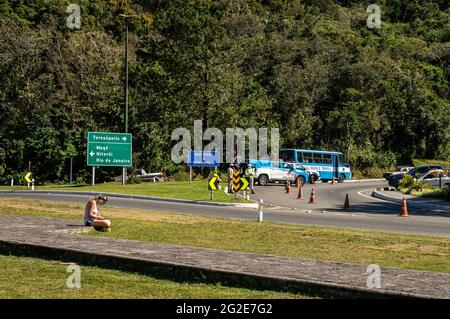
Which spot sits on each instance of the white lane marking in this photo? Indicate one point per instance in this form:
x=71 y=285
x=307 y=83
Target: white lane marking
x=371 y=197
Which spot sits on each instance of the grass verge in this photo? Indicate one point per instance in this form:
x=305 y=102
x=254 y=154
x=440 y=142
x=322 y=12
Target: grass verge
x=197 y=190
x=298 y=241
x=24 y=277
x=443 y=193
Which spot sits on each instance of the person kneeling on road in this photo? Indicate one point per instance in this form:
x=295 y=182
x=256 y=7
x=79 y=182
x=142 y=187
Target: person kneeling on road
x=92 y=217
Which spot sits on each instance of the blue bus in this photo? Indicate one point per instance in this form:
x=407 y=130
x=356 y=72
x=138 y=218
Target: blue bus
x=329 y=164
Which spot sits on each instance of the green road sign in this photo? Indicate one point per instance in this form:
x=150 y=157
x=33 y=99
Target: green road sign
x=109 y=149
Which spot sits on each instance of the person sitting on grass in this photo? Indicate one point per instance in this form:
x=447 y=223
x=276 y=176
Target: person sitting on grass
x=91 y=215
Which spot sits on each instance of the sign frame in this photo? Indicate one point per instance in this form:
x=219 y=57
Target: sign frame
x=110 y=146
x=215 y=155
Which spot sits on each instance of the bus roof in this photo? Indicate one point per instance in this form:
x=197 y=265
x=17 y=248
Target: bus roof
x=311 y=151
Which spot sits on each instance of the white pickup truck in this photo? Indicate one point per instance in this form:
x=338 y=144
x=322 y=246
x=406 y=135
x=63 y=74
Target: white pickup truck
x=432 y=178
x=282 y=171
x=144 y=176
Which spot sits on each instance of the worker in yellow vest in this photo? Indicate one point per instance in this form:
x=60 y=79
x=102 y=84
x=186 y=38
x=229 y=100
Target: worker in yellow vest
x=250 y=173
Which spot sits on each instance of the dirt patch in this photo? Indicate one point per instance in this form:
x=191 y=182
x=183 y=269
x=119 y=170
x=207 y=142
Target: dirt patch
x=430 y=249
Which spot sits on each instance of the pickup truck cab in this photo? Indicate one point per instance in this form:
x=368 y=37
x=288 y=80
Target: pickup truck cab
x=434 y=177
x=400 y=170
x=418 y=171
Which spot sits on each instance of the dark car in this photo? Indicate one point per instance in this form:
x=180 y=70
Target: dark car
x=419 y=170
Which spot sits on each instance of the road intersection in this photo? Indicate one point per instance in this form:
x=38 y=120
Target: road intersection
x=365 y=213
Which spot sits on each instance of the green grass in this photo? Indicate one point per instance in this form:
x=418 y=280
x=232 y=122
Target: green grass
x=298 y=241
x=23 y=277
x=197 y=190
x=443 y=193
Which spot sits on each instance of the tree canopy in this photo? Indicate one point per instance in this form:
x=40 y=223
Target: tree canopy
x=312 y=68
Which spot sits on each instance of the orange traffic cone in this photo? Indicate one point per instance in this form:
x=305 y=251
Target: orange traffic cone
x=312 y=199
x=288 y=188
x=300 y=193
x=347 y=202
x=332 y=181
x=297 y=184
x=404 y=210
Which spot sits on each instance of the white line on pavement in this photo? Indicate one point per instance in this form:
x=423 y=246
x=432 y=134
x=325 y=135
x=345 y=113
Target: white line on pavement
x=371 y=197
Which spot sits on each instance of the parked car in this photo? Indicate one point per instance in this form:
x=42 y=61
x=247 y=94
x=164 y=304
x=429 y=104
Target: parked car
x=283 y=171
x=434 y=177
x=146 y=177
x=400 y=170
x=149 y=177
x=419 y=170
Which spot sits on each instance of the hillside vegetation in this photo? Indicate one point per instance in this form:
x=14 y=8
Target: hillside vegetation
x=313 y=68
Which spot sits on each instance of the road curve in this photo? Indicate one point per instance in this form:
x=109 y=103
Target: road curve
x=366 y=213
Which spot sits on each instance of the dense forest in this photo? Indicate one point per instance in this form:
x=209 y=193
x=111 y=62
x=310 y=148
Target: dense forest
x=312 y=68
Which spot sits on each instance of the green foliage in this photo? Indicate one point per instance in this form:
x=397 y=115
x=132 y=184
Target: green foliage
x=134 y=180
x=311 y=68
x=409 y=183
x=446 y=192
x=369 y=158
x=419 y=162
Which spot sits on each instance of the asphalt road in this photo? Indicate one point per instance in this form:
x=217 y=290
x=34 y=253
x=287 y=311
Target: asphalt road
x=366 y=212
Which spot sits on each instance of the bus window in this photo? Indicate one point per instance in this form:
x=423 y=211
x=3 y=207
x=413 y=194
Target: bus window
x=343 y=160
x=317 y=158
x=287 y=156
x=327 y=159
x=307 y=157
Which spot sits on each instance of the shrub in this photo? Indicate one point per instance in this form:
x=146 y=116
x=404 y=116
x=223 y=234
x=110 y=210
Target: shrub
x=180 y=177
x=446 y=192
x=410 y=183
x=134 y=180
x=363 y=159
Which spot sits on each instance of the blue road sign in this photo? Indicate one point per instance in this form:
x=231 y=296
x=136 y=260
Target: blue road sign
x=205 y=159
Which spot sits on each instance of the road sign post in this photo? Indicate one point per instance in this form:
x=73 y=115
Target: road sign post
x=259 y=215
x=203 y=159
x=213 y=182
x=28 y=179
x=239 y=183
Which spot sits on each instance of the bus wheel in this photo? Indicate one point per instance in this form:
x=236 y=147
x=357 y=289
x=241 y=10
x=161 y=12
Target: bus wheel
x=301 y=180
x=341 y=178
x=324 y=180
x=263 y=180
x=312 y=179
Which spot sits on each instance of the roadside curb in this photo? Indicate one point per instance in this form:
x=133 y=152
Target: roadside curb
x=379 y=195
x=365 y=180
x=141 y=197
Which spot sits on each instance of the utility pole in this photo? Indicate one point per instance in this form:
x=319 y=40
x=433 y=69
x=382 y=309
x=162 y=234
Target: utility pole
x=127 y=19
